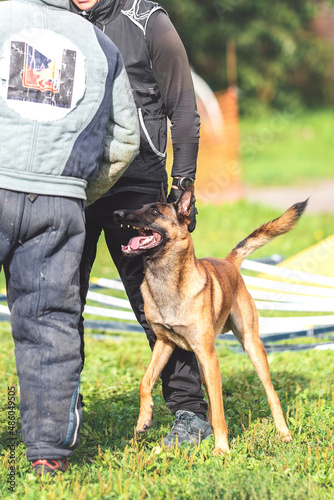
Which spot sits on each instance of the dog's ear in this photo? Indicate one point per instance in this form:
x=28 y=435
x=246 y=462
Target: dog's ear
x=184 y=203
x=162 y=195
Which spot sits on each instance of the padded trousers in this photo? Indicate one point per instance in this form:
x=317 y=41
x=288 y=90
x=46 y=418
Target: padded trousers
x=41 y=243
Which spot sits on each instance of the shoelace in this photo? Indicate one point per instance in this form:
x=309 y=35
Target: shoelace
x=180 y=420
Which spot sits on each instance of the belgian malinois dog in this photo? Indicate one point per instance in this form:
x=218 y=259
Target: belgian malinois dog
x=189 y=301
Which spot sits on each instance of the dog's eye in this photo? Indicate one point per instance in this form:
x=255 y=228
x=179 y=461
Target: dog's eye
x=155 y=211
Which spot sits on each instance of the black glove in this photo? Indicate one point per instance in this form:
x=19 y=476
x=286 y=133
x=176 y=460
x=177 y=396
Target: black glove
x=173 y=196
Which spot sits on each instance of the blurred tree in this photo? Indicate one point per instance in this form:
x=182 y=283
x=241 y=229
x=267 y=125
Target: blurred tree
x=281 y=62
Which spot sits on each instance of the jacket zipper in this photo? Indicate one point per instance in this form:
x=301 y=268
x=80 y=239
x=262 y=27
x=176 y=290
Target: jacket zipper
x=149 y=140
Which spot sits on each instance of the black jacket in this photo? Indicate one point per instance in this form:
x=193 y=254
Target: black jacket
x=159 y=74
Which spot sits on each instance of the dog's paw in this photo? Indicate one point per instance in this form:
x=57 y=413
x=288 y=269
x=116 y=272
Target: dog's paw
x=286 y=438
x=219 y=451
x=143 y=425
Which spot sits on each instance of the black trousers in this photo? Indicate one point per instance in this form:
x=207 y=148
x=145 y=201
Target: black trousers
x=181 y=382
x=41 y=244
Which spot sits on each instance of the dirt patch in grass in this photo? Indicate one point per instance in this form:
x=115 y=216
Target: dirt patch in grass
x=320 y=194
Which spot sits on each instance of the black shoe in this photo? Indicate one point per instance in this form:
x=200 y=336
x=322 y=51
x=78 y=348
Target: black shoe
x=187 y=427
x=52 y=467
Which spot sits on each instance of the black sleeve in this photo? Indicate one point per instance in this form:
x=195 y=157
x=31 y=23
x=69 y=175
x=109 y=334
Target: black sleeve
x=172 y=73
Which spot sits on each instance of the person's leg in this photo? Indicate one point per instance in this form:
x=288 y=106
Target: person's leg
x=181 y=381
x=93 y=231
x=43 y=295
x=11 y=208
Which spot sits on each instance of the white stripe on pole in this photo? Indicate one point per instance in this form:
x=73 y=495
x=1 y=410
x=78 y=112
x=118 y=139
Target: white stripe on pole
x=252 y=265
x=109 y=300
x=324 y=347
x=110 y=313
x=291 y=323
x=4 y=310
x=288 y=287
x=106 y=283
x=287 y=297
x=294 y=306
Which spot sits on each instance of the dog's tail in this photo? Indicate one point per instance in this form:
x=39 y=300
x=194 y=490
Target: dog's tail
x=266 y=233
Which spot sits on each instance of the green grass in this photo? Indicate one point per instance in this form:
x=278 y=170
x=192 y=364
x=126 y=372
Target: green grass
x=111 y=464
x=285 y=149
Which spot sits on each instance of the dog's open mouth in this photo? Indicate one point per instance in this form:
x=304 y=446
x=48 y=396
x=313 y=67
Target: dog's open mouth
x=147 y=239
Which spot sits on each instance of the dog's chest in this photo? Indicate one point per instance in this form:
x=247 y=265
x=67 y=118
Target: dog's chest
x=161 y=305
x=167 y=313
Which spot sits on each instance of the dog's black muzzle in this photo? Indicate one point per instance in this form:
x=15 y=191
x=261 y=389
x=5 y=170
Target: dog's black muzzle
x=125 y=217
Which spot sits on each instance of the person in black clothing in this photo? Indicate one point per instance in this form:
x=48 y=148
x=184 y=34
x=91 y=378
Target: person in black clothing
x=160 y=77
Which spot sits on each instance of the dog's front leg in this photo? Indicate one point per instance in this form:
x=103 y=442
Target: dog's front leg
x=209 y=362
x=161 y=353
x=206 y=389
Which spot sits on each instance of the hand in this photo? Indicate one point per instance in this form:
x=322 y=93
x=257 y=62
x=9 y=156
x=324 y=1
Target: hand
x=173 y=196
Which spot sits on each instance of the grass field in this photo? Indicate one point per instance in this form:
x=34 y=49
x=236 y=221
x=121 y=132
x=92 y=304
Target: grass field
x=285 y=148
x=111 y=464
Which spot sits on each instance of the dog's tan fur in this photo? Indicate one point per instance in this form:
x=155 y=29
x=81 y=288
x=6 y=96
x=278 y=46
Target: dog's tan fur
x=189 y=301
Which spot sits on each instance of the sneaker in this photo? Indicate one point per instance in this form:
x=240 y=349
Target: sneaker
x=187 y=427
x=52 y=467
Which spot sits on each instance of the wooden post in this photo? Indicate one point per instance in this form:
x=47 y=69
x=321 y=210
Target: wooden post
x=231 y=63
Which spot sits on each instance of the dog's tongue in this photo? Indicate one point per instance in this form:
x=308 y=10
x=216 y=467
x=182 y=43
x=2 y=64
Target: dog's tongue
x=139 y=241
